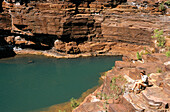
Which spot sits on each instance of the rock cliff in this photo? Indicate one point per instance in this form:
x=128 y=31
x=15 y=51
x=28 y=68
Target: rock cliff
x=96 y=29
x=114 y=95
x=70 y=29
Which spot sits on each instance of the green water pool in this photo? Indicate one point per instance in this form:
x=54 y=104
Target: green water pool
x=34 y=82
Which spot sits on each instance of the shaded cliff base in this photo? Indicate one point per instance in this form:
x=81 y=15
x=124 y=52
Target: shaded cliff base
x=114 y=93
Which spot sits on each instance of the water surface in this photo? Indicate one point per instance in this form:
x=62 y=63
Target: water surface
x=33 y=82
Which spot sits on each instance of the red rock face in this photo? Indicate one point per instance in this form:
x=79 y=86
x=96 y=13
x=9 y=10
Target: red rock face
x=100 y=28
x=156 y=94
x=5 y=22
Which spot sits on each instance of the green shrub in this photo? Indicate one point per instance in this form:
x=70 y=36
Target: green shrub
x=161 y=7
x=158 y=34
x=167 y=53
x=74 y=103
x=61 y=111
x=139 y=57
x=167 y=3
x=159 y=70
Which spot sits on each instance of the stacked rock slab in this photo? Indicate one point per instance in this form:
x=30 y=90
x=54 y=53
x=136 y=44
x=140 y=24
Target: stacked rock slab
x=154 y=98
x=120 y=30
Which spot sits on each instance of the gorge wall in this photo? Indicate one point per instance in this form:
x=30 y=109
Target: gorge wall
x=96 y=28
x=5 y=27
x=69 y=29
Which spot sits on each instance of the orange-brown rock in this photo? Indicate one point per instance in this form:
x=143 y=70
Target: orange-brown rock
x=155 y=96
x=72 y=48
x=10 y=39
x=60 y=46
x=85 y=47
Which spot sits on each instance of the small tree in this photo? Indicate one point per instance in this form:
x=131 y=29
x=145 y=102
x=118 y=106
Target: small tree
x=74 y=103
x=158 y=34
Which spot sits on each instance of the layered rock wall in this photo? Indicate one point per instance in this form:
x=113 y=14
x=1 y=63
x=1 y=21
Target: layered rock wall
x=97 y=29
x=115 y=96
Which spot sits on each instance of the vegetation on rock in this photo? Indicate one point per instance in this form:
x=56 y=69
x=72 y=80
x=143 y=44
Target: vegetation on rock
x=159 y=70
x=117 y=89
x=162 y=7
x=139 y=57
x=167 y=3
x=74 y=103
x=61 y=111
x=167 y=53
x=158 y=34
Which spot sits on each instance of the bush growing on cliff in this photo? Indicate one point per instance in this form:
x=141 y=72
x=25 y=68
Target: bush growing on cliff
x=161 y=7
x=158 y=34
x=139 y=57
x=61 y=111
x=159 y=70
x=167 y=3
x=118 y=90
x=167 y=53
x=74 y=103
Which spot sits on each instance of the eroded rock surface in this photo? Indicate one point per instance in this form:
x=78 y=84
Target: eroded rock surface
x=114 y=92
x=99 y=27
x=67 y=29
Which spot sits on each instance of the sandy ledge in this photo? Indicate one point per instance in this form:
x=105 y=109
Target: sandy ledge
x=60 y=55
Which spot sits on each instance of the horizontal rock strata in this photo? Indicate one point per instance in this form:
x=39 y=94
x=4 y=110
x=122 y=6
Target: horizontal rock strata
x=71 y=29
x=154 y=98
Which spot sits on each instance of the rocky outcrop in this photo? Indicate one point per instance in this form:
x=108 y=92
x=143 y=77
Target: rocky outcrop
x=71 y=29
x=114 y=92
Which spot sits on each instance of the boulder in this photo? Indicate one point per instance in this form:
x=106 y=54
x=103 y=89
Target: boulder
x=59 y=46
x=9 y=39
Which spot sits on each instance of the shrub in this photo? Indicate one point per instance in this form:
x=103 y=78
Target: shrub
x=161 y=7
x=74 y=103
x=167 y=3
x=167 y=53
x=158 y=34
x=159 y=70
x=61 y=111
x=139 y=57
